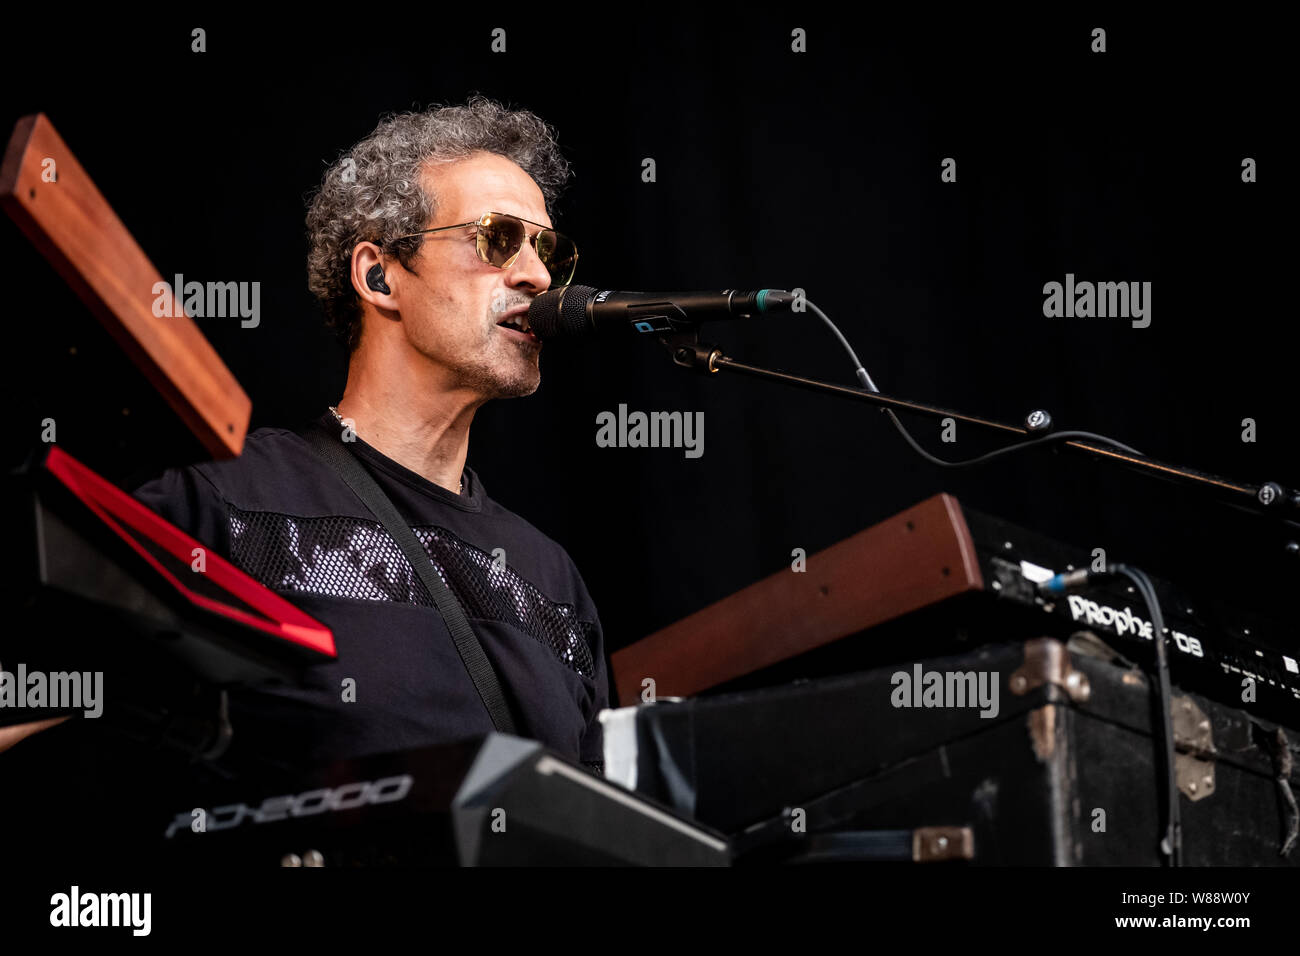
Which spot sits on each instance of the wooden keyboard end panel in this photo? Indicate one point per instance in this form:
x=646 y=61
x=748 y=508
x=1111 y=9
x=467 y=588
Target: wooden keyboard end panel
x=75 y=228
x=916 y=558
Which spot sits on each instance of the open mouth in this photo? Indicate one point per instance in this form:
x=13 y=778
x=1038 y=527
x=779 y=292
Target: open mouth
x=516 y=323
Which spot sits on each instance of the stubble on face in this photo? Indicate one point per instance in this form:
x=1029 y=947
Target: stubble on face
x=498 y=366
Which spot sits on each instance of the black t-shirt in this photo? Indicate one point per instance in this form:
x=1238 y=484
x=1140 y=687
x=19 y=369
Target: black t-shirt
x=280 y=514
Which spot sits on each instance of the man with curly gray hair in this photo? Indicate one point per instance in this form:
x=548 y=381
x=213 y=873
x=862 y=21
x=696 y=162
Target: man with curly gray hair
x=427 y=241
x=400 y=259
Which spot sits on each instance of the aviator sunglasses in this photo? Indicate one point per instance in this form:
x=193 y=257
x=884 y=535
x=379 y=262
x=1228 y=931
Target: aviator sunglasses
x=501 y=238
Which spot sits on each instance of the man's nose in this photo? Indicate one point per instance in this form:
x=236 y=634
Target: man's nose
x=528 y=271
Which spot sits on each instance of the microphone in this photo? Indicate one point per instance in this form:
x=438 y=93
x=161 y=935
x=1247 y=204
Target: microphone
x=584 y=310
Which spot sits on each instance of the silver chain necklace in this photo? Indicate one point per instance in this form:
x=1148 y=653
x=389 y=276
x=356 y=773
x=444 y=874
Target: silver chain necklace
x=345 y=425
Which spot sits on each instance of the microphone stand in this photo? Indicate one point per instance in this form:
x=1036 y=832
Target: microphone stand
x=1268 y=498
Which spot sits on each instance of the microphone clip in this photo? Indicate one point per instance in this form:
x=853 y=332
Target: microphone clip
x=686 y=350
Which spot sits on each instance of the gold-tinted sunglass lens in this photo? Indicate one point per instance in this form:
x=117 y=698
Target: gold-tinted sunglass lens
x=558 y=254
x=499 y=240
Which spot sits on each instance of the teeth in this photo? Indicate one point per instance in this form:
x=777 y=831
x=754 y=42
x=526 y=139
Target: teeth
x=517 y=321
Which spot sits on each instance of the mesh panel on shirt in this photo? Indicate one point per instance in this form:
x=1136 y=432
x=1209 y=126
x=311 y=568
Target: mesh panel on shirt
x=342 y=556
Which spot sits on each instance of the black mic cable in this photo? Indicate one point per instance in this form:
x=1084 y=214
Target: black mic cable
x=1081 y=579
x=864 y=378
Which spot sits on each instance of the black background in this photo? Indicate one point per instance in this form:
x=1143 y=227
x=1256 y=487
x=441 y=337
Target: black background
x=818 y=170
